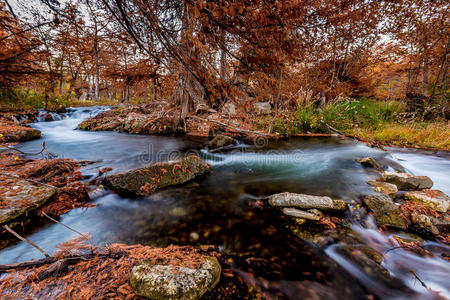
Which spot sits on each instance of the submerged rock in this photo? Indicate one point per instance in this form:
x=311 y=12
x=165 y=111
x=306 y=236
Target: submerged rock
x=384 y=187
x=147 y=180
x=385 y=211
x=21 y=197
x=407 y=182
x=369 y=162
x=306 y=201
x=434 y=199
x=220 y=141
x=169 y=282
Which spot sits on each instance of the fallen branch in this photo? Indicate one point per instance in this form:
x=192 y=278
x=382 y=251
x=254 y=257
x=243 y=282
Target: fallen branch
x=420 y=280
x=44 y=148
x=25 y=240
x=24 y=153
x=331 y=128
x=229 y=126
x=50 y=260
x=56 y=221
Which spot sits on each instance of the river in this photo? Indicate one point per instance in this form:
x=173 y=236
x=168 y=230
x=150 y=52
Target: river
x=218 y=209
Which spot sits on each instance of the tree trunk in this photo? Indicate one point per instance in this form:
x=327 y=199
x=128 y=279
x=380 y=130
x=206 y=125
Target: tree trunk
x=97 y=67
x=153 y=89
x=425 y=77
x=190 y=93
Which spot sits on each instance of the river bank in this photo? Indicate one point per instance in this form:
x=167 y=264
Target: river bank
x=375 y=123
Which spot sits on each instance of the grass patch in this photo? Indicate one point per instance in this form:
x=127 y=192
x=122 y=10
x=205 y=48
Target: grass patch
x=428 y=135
x=18 y=99
x=380 y=121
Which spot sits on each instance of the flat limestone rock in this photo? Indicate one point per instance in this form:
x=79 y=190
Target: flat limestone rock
x=384 y=187
x=18 y=197
x=168 y=282
x=385 y=211
x=297 y=213
x=147 y=180
x=303 y=201
x=407 y=182
x=434 y=199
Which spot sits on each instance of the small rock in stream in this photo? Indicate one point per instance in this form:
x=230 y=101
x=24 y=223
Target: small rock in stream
x=293 y=212
x=423 y=224
x=385 y=211
x=384 y=187
x=220 y=141
x=169 y=282
x=369 y=162
x=147 y=180
x=407 y=182
x=306 y=201
x=434 y=199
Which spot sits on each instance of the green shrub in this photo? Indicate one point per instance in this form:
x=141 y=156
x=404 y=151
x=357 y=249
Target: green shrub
x=343 y=115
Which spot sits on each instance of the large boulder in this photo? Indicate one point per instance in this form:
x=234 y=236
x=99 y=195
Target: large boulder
x=19 y=197
x=435 y=199
x=220 y=141
x=147 y=180
x=169 y=282
x=407 y=182
x=303 y=201
x=385 y=211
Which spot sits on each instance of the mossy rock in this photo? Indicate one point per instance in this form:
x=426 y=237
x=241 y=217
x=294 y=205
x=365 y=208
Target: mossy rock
x=155 y=281
x=385 y=211
x=147 y=180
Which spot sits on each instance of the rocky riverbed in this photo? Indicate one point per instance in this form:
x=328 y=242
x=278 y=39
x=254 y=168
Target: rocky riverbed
x=285 y=218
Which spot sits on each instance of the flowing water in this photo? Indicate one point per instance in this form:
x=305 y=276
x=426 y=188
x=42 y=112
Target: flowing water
x=220 y=209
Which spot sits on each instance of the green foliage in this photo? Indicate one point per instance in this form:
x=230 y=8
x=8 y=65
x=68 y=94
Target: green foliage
x=14 y=99
x=343 y=115
x=20 y=99
x=347 y=114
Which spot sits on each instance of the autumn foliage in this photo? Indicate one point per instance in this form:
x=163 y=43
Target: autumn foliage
x=198 y=54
